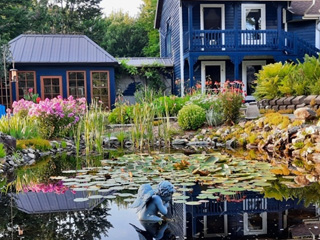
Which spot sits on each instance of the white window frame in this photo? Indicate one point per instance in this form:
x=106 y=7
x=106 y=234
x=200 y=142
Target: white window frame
x=223 y=19
x=222 y=65
x=244 y=7
x=264 y=229
x=245 y=64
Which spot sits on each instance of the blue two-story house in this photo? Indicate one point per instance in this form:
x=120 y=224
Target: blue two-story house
x=232 y=40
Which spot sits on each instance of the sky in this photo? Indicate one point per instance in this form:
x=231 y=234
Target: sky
x=131 y=6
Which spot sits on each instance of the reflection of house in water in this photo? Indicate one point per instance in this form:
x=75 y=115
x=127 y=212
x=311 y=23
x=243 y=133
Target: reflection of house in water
x=253 y=216
x=40 y=202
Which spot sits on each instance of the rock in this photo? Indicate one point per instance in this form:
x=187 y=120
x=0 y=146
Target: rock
x=31 y=155
x=232 y=143
x=298 y=100
x=128 y=144
x=310 y=98
x=31 y=162
x=267 y=128
x=301 y=180
x=251 y=146
x=270 y=147
x=197 y=143
x=203 y=131
x=9 y=143
x=315 y=157
x=288 y=100
x=110 y=141
x=305 y=114
x=220 y=145
x=297 y=140
x=273 y=102
x=242 y=124
x=293 y=130
x=30 y=150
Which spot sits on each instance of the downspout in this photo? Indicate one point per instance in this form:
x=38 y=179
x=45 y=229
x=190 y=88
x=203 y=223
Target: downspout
x=305 y=13
x=181 y=51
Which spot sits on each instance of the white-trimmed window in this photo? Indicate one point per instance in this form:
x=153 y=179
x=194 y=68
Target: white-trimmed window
x=253 y=18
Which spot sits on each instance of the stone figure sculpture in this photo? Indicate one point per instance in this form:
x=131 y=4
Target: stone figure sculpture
x=151 y=204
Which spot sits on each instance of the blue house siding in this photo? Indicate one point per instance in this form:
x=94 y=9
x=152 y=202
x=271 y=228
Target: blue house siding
x=57 y=70
x=304 y=30
x=233 y=44
x=171 y=14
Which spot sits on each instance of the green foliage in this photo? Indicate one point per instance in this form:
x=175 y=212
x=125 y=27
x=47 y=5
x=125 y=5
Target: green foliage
x=206 y=101
x=278 y=80
x=146 y=20
x=191 y=117
x=19 y=127
x=273 y=79
x=2 y=151
x=231 y=103
x=123 y=37
x=63 y=144
x=121 y=115
x=174 y=104
x=36 y=143
x=214 y=115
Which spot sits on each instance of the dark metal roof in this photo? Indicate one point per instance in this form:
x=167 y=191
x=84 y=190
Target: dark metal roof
x=141 y=61
x=58 y=49
x=301 y=8
x=40 y=202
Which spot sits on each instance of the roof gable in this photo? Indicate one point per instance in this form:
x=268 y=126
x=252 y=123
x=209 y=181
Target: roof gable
x=58 y=49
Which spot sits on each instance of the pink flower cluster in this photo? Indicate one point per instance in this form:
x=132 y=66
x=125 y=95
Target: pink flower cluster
x=60 y=108
x=57 y=188
x=22 y=105
x=56 y=107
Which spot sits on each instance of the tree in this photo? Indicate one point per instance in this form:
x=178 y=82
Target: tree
x=123 y=36
x=14 y=15
x=146 y=19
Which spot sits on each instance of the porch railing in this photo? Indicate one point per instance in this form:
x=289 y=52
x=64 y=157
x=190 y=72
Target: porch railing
x=246 y=40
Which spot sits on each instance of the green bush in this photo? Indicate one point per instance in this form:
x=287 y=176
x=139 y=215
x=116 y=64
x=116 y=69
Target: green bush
x=121 y=115
x=206 y=101
x=191 y=117
x=214 y=115
x=174 y=104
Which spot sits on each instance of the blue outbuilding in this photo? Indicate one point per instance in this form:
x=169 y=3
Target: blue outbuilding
x=62 y=65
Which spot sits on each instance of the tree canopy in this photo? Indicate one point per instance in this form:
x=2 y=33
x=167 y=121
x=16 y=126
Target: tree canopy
x=120 y=34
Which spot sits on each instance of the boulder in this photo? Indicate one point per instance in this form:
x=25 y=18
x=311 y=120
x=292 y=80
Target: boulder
x=232 y=143
x=305 y=113
x=9 y=142
x=179 y=142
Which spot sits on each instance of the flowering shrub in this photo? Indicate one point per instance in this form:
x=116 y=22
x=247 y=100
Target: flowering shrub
x=22 y=107
x=57 y=188
x=55 y=116
x=191 y=117
x=232 y=97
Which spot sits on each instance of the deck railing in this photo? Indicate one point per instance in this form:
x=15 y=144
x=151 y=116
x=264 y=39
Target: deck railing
x=246 y=40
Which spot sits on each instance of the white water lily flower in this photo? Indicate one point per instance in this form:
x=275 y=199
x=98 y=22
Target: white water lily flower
x=310 y=130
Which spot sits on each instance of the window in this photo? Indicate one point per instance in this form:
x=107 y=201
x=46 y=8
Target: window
x=100 y=86
x=76 y=84
x=5 y=96
x=26 y=80
x=168 y=40
x=51 y=86
x=253 y=18
x=212 y=19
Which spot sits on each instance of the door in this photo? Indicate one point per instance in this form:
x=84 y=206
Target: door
x=249 y=70
x=211 y=72
x=212 y=18
x=253 y=18
x=51 y=86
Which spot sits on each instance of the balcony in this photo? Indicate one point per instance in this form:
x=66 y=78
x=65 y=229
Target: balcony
x=216 y=41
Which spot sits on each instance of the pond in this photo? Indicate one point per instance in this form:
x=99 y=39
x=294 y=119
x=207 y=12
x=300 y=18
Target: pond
x=217 y=197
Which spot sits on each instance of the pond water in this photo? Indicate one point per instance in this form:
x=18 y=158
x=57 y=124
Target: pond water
x=217 y=197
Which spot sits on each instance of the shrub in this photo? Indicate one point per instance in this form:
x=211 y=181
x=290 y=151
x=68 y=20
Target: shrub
x=56 y=117
x=214 y=115
x=206 y=101
x=121 y=115
x=36 y=143
x=231 y=96
x=191 y=117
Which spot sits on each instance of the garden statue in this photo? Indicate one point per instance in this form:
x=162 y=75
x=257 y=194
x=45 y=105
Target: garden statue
x=151 y=204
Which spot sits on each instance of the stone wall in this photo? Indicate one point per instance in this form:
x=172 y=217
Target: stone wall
x=290 y=102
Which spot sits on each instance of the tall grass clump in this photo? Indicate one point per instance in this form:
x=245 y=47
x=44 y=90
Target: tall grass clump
x=94 y=123
x=19 y=126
